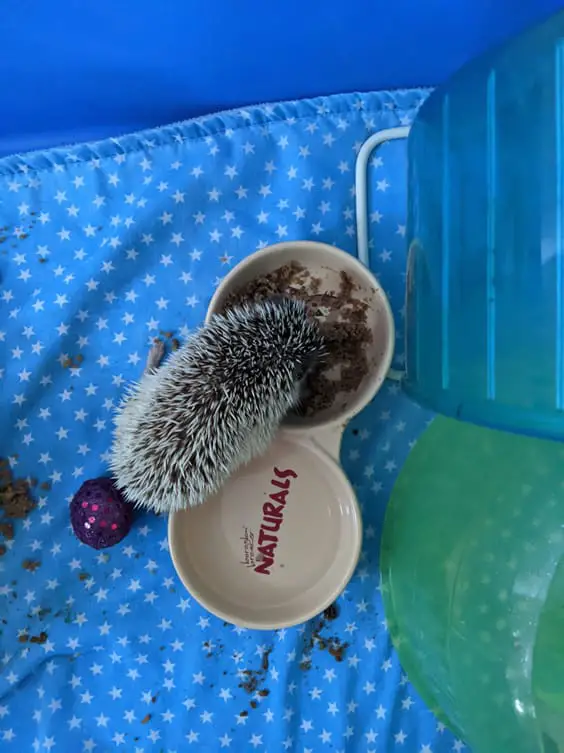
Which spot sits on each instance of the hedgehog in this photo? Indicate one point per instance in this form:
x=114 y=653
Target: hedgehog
x=214 y=405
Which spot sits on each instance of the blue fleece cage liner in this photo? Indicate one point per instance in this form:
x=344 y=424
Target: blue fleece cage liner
x=123 y=658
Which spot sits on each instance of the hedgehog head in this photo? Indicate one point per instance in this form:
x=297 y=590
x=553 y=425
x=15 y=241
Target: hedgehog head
x=273 y=335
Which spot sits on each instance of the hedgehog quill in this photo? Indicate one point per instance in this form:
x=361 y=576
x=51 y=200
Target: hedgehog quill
x=215 y=404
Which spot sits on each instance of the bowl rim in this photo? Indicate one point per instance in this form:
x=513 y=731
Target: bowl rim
x=378 y=375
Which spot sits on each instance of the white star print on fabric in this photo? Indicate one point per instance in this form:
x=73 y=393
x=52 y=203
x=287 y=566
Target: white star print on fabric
x=102 y=248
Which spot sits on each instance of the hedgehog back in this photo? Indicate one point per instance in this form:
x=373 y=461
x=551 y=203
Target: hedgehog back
x=215 y=404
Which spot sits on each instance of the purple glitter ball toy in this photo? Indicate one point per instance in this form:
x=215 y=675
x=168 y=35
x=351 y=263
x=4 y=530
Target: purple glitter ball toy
x=100 y=517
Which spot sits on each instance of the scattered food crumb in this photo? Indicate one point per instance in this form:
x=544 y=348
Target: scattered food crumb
x=31 y=565
x=332 y=612
x=23 y=638
x=46 y=486
x=7 y=530
x=337 y=651
x=243 y=713
x=255 y=677
x=249 y=685
x=315 y=639
x=15 y=498
x=265 y=659
x=72 y=362
x=83 y=576
x=3 y=550
x=146 y=718
x=41 y=638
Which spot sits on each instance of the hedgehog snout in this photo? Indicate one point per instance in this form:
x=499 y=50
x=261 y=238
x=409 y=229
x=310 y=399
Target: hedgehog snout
x=308 y=364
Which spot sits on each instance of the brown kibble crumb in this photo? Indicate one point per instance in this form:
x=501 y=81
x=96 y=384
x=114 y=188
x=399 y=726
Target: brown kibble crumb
x=332 y=612
x=146 y=718
x=154 y=699
x=175 y=344
x=42 y=259
x=23 y=638
x=335 y=647
x=79 y=358
x=250 y=685
x=243 y=713
x=337 y=651
x=15 y=499
x=31 y=565
x=83 y=576
x=342 y=320
x=41 y=638
x=253 y=704
x=46 y=486
x=7 y=530
x=263 y=693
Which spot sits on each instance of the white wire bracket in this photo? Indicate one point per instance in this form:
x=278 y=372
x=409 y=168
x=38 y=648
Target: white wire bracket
x=361 y=201
x=361 y=184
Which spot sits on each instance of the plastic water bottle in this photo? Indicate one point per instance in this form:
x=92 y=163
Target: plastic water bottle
x=485 y=299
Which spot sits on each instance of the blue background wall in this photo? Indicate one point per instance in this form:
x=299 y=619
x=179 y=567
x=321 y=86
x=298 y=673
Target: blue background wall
x=80 y=69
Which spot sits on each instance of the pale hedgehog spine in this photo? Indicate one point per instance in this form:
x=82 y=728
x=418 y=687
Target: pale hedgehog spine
x=218 y=401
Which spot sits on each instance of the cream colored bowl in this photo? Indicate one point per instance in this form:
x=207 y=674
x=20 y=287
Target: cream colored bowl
x=280 y=542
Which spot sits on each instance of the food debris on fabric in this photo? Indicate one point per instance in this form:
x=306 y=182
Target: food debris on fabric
x=316 y=639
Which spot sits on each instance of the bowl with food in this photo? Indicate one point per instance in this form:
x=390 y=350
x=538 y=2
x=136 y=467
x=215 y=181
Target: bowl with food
x=352 y=312
x=278 y=544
